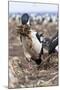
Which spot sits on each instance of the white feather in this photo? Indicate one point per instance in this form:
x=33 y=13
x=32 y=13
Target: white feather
x=36 y=46
x=35 y=42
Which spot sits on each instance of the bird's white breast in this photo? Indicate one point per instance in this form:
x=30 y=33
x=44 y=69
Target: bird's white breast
x=35 y=42
x=36 y=45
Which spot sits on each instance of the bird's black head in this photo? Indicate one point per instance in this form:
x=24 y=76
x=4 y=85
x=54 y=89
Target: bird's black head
x=25 y=18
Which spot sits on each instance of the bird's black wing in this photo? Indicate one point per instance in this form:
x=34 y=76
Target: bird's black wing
x=50 y=44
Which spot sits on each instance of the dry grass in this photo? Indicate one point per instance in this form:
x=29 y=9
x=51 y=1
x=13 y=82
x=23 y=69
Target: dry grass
x=39 y=76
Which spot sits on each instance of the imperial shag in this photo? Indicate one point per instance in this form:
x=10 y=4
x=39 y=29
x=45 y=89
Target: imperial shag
x=34 y=42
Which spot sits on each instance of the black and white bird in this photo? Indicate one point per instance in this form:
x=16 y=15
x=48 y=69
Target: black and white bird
x=34 y=42
x=31 y=40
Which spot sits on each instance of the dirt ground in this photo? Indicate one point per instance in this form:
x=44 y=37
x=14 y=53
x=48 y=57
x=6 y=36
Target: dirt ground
x=20 y=76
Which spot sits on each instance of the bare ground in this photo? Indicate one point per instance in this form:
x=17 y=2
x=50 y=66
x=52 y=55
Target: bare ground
x=20 y=75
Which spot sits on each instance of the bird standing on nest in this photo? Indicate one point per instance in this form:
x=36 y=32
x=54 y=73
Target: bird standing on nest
x=31 y=40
